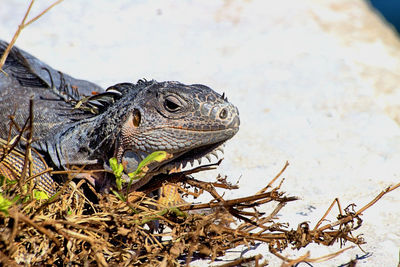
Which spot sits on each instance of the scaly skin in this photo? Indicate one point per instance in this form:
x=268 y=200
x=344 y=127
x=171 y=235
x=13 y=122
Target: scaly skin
x=128 y=121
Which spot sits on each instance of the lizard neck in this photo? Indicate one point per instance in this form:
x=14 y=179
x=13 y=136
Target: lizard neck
x=85 y=142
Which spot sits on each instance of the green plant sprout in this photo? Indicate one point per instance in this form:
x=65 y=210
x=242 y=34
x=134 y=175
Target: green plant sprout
x=140 y=172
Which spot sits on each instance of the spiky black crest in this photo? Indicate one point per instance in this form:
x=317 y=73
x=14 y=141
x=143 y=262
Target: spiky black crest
x=100 y=102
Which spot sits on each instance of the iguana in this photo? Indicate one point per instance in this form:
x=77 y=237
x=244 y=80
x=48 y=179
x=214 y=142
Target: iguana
x=76 y=122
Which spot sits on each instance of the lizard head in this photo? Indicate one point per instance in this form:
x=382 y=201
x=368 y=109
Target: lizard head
x=187 y=121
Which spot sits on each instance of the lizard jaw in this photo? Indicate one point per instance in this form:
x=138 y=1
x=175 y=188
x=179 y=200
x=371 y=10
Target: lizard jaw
x=131 y=159
x=179 y=162
x=193 y=157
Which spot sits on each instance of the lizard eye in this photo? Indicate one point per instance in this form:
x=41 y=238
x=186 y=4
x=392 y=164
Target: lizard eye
x=172 y=104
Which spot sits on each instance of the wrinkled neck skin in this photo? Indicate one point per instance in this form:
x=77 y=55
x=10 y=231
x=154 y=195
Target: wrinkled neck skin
x=86 y=142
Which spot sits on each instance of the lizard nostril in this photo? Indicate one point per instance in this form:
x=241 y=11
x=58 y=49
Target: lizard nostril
x=223 y=114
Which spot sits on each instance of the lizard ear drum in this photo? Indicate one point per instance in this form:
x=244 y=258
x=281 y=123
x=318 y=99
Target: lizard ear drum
x=136 y=117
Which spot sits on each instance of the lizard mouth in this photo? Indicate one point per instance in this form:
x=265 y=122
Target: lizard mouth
x=179 y=161
x=193 y=157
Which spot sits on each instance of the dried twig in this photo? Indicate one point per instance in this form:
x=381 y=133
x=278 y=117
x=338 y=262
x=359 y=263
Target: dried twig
x=112 y=231
x=240 y=261
x=21 y=26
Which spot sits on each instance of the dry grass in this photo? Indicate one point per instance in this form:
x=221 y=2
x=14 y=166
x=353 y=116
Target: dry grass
x=71 y=229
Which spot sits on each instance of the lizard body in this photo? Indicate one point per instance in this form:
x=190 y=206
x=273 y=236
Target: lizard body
x=76 y=122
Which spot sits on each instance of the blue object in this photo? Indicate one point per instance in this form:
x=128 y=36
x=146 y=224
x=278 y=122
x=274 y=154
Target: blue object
x=390 y=9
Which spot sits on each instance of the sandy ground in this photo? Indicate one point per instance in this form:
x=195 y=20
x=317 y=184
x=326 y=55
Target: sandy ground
x=303 y=75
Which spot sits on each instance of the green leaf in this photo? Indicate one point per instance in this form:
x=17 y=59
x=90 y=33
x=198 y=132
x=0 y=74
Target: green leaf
x=2 y=180
x=11 y=182
x=15 y=199
x=118 y=195
x=141 y=170
x=4 y=204
x=151 y=217
x=25 y=199
x=117 y=169
x=40 y=195
x=178 y=212
x=155 y=156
